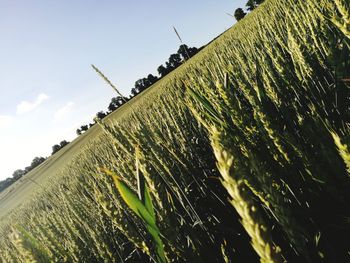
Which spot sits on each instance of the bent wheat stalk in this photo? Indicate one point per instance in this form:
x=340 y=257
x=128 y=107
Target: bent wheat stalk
x=243 y=202
x=142 y=206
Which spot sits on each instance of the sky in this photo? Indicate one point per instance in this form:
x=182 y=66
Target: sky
x=48 y=88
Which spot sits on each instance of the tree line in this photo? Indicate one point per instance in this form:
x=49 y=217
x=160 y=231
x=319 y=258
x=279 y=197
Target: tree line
x=19 y=173
x=175 y=60
x=250 y=6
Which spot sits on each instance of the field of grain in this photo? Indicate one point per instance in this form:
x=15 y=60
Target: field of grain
x=245 y=150
x=22 y=191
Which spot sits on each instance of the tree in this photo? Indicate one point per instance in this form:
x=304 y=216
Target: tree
x=144 y=83
x=78 y=131
x=162 y=71
x=55 y=149
x=140 y=85
x=191 y=51
x=186 y=52
x=18 y=174
x=27 y=169
x=174 y=61
x=36 y=161
x=183 y=52
x=116 y=102
x=63 y=143
x=239 y=14
x=251 y=5
x=6 y=183
x=151 y=79
x=101 y=114
x=84 y=128
x=134 y=92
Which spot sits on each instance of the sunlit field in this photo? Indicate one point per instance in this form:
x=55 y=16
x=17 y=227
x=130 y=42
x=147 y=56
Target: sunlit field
x=244 y=150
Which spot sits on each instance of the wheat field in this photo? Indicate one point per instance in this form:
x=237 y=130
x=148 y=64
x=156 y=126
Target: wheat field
x=244 y=149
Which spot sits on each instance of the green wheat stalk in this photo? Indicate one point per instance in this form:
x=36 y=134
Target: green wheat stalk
x=108 y=81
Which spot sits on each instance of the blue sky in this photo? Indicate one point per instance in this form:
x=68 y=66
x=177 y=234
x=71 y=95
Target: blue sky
x=48 y=88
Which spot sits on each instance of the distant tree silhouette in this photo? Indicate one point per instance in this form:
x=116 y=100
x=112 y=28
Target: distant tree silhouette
x=6 y=183
x=133 y=92
x=84 y=128
x=174 y=61
x=116 y=102
x=59 y=146
x=252 y=4
x=162 y=71
x=144 y=83
x=63 y=143
x=100 y=115
x=186 y=52
x=36 y=161
x=183 y=53
x=140 y=85
x=18 y=174
x=55 y=148
x=239 y=14
x=151 y=79
x=27 y=169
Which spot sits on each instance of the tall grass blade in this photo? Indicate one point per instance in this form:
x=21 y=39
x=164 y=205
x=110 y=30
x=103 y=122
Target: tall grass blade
x=213 y=114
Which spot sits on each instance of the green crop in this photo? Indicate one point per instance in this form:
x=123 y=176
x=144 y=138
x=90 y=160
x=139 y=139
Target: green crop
x=143 y=208
x=243 y=156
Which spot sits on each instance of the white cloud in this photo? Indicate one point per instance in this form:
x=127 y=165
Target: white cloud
x=5 y=121
x=60 y=113
x=26 y=106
